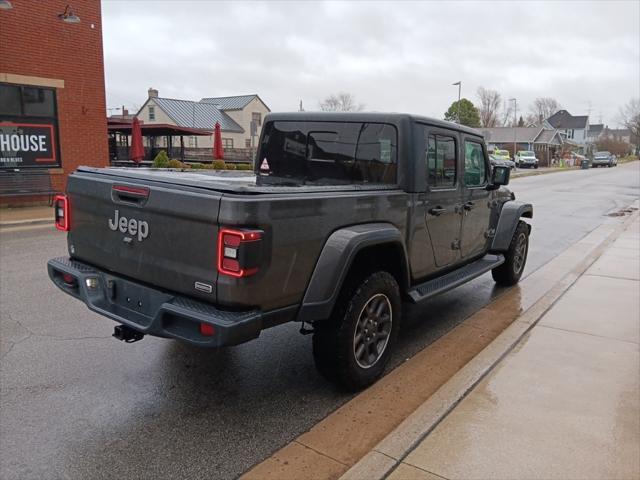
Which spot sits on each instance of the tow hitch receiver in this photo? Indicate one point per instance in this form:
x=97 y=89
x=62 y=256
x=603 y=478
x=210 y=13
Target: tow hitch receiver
x=126 y=334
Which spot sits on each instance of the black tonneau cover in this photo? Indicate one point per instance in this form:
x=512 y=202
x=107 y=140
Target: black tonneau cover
x=238 y=182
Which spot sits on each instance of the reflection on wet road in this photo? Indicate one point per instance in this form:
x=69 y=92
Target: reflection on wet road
x=76 y=403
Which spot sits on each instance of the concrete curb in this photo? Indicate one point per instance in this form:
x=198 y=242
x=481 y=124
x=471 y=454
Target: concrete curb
x=31 y=221
x=392 y=450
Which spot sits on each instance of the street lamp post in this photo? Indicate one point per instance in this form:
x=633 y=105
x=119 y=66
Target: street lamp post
x=515 y=124
x=459 y=84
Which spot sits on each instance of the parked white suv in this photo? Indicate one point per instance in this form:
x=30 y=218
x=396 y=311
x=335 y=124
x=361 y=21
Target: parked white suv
x=526 y=158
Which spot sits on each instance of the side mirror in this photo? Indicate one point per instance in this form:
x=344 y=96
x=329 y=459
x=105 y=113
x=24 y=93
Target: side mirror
x=499 y=176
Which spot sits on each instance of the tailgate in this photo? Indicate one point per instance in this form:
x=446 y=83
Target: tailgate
x=156 y=233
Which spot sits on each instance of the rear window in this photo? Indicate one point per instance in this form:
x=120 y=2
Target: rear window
x=330 y=153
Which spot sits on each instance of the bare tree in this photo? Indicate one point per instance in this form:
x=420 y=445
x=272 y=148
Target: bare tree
x=531 y=119
x=629 y=116
x=542 y=108
x=506 y=118
x=489 y=107
x=341 y=102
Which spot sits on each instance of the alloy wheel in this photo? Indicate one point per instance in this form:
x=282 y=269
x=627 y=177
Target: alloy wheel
x=372 y=331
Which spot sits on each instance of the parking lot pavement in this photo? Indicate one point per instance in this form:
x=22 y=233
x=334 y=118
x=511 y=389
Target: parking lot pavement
x=75 y=403
x=565 y=402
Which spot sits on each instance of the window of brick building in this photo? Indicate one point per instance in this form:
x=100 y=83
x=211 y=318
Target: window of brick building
x=28 y=127
x=152 y=112
x=257 y=118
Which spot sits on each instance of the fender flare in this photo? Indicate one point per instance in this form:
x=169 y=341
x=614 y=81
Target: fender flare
x=334 y=263
x=511 y=213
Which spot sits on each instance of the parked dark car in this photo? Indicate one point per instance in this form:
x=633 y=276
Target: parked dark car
x=345 y=217
x=500 y=161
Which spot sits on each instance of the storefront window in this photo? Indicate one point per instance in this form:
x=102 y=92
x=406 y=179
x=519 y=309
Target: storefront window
x=28 y=127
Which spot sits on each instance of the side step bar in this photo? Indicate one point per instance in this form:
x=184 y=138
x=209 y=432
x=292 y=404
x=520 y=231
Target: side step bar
x=454 y=279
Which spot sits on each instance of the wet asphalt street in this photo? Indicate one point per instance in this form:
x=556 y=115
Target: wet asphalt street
x=76 y=403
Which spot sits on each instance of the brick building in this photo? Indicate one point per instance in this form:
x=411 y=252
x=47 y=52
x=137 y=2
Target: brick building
x=52 y=91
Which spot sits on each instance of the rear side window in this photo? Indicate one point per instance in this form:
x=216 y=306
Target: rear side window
x=330 y=152
x=475 y=171
x=442 y=164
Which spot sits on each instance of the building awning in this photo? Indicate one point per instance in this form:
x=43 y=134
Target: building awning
x=157 y=130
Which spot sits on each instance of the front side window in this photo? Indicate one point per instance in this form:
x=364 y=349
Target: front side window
x=442 y=164
x=475 y=171
x=331 y=152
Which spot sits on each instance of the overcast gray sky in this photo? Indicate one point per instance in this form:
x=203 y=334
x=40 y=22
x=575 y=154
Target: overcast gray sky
x=396 y=56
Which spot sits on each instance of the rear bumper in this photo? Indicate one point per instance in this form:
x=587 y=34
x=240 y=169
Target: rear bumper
x=152 y=311
x=527 y=163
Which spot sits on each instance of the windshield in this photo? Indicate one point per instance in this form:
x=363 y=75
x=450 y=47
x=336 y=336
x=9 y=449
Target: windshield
x=526 y=153
x=602 y=154
x=329 y=153
x=502 y=153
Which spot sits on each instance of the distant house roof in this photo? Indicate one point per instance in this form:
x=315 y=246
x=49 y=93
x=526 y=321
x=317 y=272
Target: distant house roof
x=230 y=103
x=187 y=113
x=551 y=137
x=563 y=119
x=510 y=134
x=521 y=135
x=596 y=129
x=617 y=132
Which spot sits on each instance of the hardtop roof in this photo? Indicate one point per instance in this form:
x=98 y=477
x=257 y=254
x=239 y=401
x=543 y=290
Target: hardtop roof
x=377 y=117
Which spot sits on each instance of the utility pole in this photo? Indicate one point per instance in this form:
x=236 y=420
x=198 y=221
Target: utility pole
x=301 y=109
x=515 y=125
x=459 y=84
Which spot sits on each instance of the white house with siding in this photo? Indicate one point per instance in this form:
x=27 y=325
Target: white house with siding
x=235 y=115
x=573 y=128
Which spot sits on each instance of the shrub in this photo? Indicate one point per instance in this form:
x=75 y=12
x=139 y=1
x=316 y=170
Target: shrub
x=161 y=160
x=244 y=166
x=230 y=166
x=196 y=166
x=219 y=165
x=173 y=163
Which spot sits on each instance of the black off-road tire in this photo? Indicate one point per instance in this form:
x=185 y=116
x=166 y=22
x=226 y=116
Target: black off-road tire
x=334 y=340
x=510 y=271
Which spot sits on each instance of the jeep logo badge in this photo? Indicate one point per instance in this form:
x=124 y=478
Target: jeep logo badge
x=131 y=226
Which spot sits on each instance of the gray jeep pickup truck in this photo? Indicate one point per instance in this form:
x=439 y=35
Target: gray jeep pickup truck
x=345 y=217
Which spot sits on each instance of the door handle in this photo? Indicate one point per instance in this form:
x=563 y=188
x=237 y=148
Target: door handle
x=437 y=211
x=469 y=205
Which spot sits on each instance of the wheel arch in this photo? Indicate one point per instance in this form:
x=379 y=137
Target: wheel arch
x=510 y=214
x=353 y=249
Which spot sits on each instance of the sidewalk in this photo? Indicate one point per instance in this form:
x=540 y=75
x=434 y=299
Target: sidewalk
x=12 y=217
x=565 y=401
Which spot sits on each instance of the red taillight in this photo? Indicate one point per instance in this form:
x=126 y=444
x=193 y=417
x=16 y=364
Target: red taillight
x=68 y=278
x=207 y=329
x=61 y=212
x=235 y=258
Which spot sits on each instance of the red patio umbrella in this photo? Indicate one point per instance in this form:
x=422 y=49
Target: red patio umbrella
x=218 y=152
x=136 y=152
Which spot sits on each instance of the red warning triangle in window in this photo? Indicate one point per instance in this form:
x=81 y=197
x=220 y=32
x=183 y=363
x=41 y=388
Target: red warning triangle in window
x=264 y=166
